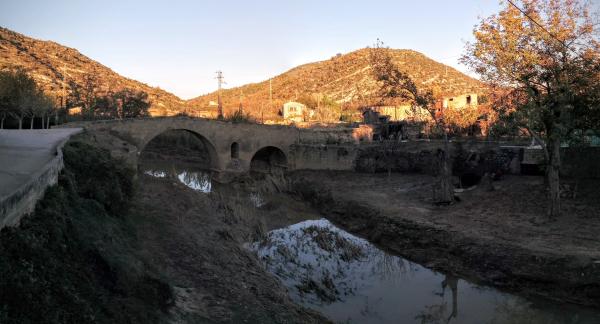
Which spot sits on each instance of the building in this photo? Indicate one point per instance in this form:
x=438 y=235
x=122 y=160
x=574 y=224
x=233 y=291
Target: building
x=462 y=101
x=295 y=112
x=401 y=113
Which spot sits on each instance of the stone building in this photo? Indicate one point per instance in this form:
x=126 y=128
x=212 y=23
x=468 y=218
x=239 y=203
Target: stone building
x=401 y=113
x=294 y=111
x=462 y=101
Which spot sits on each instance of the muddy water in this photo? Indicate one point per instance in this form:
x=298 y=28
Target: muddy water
x=352 y=281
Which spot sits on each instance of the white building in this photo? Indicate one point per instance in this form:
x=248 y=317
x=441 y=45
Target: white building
x=462 y=101
x=294 y=111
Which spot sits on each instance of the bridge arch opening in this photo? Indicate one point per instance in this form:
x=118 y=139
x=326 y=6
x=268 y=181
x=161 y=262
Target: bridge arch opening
x=268 y=159
x=181 y=146
x=235 y=150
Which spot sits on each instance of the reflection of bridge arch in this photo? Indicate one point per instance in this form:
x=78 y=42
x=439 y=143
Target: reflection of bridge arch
x=268 y=159
x=209 y=147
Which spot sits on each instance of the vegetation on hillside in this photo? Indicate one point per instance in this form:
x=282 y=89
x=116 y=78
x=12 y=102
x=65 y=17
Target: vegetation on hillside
x=74 y=260
x=125 y=103
x=21 y=98
x=60 y=70
x=345 y=79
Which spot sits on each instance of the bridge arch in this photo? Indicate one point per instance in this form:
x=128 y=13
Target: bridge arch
x=268 y=159
x=207 y=145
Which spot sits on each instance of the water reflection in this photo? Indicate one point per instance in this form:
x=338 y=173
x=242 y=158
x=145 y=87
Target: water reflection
x=199 y=181
x=156 y=174
x=194 y=178
x=257 y=199
x=350 y=280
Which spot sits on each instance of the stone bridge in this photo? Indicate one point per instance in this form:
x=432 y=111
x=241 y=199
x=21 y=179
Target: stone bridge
x=234 y=147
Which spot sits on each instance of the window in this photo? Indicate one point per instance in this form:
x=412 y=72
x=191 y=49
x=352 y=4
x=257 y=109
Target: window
x=468 y=100
x=235 y=150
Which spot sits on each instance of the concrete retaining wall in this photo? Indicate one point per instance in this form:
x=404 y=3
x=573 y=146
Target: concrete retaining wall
x=22 y=201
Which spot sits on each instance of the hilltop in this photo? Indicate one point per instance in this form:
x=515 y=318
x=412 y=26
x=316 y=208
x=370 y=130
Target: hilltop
x=344 y=78
x=53 y=65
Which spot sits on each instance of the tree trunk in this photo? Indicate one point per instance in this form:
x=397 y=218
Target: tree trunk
x=553 y=178
x=443 y=193
x=48 y=122
x=2 y=122
x=31 y=122
x=21 y=122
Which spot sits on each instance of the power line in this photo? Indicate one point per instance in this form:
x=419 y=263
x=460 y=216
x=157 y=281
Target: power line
x=539 y=25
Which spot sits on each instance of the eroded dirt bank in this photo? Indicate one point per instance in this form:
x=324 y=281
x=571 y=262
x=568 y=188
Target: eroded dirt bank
x=195 y=240
x=499 y=238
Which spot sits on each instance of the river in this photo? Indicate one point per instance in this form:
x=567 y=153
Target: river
x=351 y=280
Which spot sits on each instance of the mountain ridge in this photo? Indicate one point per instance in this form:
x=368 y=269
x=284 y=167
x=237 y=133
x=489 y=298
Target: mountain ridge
x=343 y=78
x=55 y=66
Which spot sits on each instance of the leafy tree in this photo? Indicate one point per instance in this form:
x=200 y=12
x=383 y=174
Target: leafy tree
x=123 y=104
x=547 y=54
x=396 y=84
x=84 y=95
x=461 y=119
x=20 y=97
x=132 y=103
x=43 y=108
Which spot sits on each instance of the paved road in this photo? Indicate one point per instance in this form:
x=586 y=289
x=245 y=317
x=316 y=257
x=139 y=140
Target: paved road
x=23 y=152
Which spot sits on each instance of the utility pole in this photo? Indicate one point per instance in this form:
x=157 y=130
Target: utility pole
x=262 y=116
x=219 y=102
x=270 y=93
x=64 y=96
x=241 y=109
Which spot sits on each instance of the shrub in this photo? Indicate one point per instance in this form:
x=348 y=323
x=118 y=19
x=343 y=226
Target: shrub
x=74 y=259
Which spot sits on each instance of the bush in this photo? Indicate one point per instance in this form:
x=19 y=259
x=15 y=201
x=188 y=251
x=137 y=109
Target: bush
x=239 y=117
x=74 y=259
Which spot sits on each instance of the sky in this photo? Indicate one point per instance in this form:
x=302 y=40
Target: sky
x=179 y=45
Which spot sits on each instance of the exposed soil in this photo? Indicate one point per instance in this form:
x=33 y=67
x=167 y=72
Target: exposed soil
x=196 y=240
x=500 y=237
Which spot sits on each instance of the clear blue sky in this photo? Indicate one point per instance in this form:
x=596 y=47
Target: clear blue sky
x=178 y=45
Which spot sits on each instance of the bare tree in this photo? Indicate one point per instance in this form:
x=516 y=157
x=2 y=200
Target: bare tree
x=396 y=84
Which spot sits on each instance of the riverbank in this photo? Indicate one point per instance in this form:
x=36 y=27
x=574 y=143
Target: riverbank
x=102 y=247
x=500 y=238
x=75 y=259
x=195 y=240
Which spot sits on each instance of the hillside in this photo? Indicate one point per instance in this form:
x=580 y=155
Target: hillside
x=53 y=65
x=345 y=78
